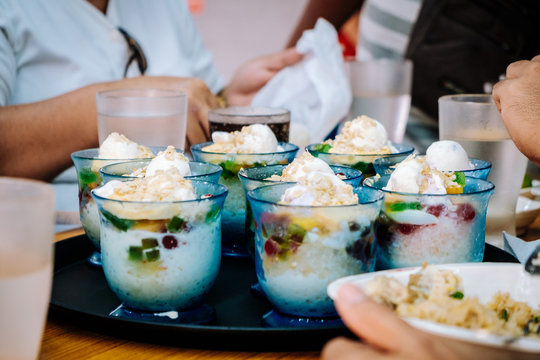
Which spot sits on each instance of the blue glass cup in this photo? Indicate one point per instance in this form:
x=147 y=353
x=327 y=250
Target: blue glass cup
x=87 y=163
x=299 y=250
x=161 y=256
x=234 y=210
x=121 y=171
x=432 y=228
x=363 y=162
x=480 y=170
x=255 y=177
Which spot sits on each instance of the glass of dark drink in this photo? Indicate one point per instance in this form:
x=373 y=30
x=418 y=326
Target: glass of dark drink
x=234 y=118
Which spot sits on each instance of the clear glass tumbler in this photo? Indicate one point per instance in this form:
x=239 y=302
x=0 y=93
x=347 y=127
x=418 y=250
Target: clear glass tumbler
x=474 y=122
x=153 y=117
x=381 y=89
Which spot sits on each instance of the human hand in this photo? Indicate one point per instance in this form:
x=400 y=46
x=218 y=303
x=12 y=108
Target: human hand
x=253 y=75
x=384 y=334
x=518 y=100
x=200 y=100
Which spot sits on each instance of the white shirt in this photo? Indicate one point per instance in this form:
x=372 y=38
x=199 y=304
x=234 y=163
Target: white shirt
x=49 y=47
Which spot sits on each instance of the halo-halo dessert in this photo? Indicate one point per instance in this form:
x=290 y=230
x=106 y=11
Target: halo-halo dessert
x=301 y=166
x=308 y=234
x=115 y=148
x=430 y=215
x=254 y=145
x=444 y=155
x=361 y=141
x=160 y=239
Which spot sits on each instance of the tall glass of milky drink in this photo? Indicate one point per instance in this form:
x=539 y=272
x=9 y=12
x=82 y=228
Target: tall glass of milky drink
x=154 y=117
x=359 y=143
x=430 y=215
x=254 y=145
x=474 y=122
x=381 y=89
x=116 y=148
x=26 y=265
x=306 y=235
x=161 y=242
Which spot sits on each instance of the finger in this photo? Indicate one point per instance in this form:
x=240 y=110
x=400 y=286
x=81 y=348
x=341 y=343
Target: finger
x=195 y=133
x=496 y=94
x=516 y=69
x=199 y=111
x=212 y=101
x=278 y=61
x=372 y=322
x=536 y=58
x=343 y=349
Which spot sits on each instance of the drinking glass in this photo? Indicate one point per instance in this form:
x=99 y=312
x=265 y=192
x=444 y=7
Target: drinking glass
x=299 y=250
x=26 y=262
x=381 y=89
x=234 y=118
x=151 y=117
x=474 y=122
x=163 y=256
x=431 y=228
x=234 y=210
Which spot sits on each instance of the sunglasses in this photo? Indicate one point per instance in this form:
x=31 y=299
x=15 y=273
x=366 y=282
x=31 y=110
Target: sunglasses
x=136 y=51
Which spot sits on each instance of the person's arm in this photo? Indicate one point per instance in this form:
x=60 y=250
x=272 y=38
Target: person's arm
x=518 y=100
x=336 y=12
x=36 y=139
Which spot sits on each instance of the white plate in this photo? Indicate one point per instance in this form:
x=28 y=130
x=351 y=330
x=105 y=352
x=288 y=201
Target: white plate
x=479 y=279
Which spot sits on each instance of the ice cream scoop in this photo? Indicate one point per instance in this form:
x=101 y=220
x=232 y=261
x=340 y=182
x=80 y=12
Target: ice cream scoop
x=252 y=139
x=169 y=159
x=447 y=155
x=301 y=167
x=117 y=146
x=362 y=135
x=415 y=175
x=319 y=189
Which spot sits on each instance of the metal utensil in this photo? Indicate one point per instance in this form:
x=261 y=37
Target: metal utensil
x=532 y=266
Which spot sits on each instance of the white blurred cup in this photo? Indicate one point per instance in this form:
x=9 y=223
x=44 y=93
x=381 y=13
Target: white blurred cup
x=26 y=265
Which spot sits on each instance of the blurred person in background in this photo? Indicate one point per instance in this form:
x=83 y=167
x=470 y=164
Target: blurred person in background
x=457 y=46
x=55 y=56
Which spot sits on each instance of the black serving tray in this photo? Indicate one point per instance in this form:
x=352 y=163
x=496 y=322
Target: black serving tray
x=81 y=295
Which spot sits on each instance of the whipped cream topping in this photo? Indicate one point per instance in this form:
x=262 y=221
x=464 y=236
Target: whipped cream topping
x=301 y=167
x=319 y=189
x=414 y=175
x=362 y=135
x=169 y=159
x=252 y=139
x=447 y=155
x=167 y=185
x=117 y=146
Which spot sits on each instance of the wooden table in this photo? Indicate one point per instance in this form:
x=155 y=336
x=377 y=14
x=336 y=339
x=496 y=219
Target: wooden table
x=65 y=341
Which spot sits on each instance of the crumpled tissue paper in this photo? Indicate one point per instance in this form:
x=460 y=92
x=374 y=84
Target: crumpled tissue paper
x=316 y=90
